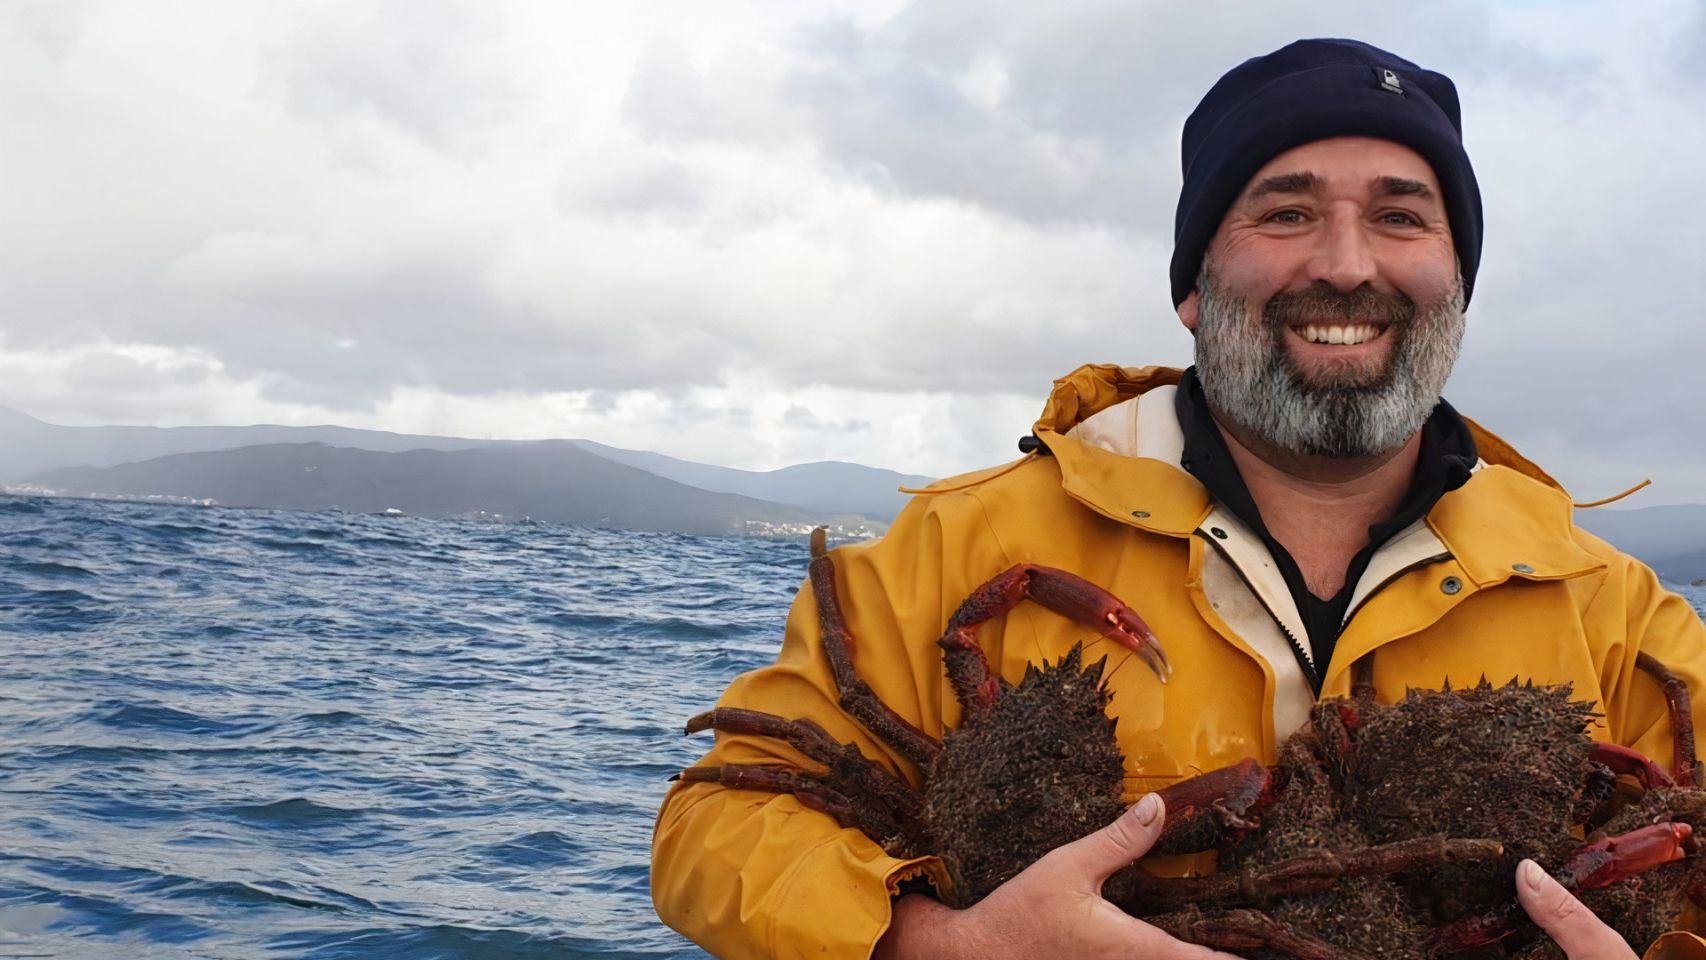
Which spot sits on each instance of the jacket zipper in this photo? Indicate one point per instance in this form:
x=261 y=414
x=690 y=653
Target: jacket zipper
x=1305 y=658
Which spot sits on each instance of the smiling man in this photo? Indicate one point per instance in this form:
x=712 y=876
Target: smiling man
x=1298 y=503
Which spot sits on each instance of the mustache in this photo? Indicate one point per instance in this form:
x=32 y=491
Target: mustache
x=1290 y=307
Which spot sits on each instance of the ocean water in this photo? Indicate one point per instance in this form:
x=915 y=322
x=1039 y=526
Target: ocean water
x=231 y=733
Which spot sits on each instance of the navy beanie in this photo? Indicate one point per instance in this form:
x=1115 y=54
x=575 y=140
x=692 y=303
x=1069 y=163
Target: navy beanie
x=1313 y=90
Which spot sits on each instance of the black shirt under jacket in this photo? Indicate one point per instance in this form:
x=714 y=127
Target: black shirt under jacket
x=1446 y=459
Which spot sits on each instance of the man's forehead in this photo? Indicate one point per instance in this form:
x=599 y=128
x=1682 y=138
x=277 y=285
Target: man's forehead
x=1348 y=163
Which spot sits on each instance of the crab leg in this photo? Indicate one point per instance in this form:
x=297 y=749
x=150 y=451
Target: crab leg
x=846 y=763
x=811 y=790
x=849 y=802
x=804 y=735
x=1065 y=593
x=1362 y=678
x=1593 y=865
x=855 y=696
x=1247 y=930
x=1686 y=766
x=1309 y=873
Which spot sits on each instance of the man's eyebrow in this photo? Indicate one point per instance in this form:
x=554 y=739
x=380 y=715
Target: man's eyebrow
x=1402 y=187
x=1301 y=182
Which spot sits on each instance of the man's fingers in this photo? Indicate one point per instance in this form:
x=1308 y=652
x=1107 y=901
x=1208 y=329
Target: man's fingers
x=1581 y=934
x=1118 y=844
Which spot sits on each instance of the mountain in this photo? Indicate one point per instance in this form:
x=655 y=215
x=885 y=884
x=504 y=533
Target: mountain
x=29 y=446
x=551 y=480
x=825 y=485
x=1670 y=539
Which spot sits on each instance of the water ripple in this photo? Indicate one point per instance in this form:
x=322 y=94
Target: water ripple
x=266 y=734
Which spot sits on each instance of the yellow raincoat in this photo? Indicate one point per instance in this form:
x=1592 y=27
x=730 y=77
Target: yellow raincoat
x=1496 y=580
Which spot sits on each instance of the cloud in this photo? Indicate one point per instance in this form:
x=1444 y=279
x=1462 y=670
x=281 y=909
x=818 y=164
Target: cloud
x=1073 y=112
x=434 y=70
x=760 y=235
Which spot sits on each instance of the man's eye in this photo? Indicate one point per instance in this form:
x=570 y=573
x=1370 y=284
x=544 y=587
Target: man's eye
x=1286 y=216
x=1400 y=218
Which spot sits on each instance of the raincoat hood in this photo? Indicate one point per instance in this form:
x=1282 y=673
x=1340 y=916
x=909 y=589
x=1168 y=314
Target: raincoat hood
x=1094 y=387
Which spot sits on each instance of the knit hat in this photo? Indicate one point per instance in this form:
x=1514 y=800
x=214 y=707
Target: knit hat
x=1313 y=90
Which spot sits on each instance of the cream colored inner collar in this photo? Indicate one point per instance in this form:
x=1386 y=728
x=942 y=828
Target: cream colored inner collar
x=1146 y=426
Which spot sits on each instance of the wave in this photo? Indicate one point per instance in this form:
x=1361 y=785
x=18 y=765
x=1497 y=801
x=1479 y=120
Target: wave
x=154 y=716
x=171 y=532
x=59 y=597
x=449 y=940
x=296 y=811
x=543 y=848
x=268 y=733
x=635 y=625
x=77 y=914
x=137 y=753
x=48 y=568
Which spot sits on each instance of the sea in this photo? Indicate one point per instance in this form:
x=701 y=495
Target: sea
x=252 y=734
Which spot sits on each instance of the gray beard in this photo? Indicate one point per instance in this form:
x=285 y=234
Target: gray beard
x=1249 y=377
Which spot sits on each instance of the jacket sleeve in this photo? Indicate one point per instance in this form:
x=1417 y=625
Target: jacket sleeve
x=1662 y=624
x=755 y=874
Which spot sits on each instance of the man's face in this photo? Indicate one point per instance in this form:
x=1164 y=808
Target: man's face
x=1330 y=306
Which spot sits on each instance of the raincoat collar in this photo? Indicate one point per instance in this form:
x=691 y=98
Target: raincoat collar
x=1511 y=519
x=1145 y=492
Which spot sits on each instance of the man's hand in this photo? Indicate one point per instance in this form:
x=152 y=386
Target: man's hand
x=1581 y=934
x=1053 y=908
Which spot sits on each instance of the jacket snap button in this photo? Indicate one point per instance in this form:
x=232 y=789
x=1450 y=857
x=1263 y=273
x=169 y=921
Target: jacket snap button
x=1217 y=532
x=1450 y=585
x=1140 y=514
x=1522 y=568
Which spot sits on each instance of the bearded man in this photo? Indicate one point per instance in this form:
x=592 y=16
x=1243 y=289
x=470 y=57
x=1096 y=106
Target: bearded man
x=1299 y=500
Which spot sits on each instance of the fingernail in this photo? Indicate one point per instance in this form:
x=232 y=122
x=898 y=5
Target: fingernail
x=1148 y=809
x=1531 y=875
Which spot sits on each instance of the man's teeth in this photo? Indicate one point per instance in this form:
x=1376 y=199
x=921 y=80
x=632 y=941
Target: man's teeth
x=1354 y=333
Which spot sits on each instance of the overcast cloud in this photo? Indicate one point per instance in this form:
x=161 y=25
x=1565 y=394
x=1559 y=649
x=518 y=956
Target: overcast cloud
x=763 y=232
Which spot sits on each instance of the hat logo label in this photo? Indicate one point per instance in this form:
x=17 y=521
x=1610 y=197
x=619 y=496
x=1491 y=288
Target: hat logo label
x=1389 y=81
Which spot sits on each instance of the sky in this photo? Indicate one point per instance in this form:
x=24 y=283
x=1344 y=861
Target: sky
x=762 y=232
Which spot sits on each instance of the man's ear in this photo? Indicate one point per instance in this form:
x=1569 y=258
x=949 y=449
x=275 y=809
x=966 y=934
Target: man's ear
x=1188 y=312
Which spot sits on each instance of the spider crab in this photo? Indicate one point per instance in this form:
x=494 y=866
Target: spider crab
x=1382 y=830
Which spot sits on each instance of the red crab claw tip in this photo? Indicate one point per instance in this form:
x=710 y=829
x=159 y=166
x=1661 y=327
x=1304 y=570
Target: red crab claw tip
x=1126 y=627
x=1610 y=859
x=700 y=722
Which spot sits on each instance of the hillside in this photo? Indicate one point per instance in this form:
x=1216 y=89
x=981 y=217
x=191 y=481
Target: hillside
x=1670 y=539
x=30 y=447
x=825 y=485
x=545 y=481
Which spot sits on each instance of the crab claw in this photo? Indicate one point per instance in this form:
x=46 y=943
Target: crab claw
x=1126 y=627
x=1214 y=807
x=1610 y=859
x=1073 y=596
x=1626 y=762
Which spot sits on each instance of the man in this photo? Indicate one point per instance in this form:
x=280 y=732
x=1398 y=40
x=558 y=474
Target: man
x=1297 y=501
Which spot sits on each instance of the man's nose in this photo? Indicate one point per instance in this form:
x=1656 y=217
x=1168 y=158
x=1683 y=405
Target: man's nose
x=1343 y=258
